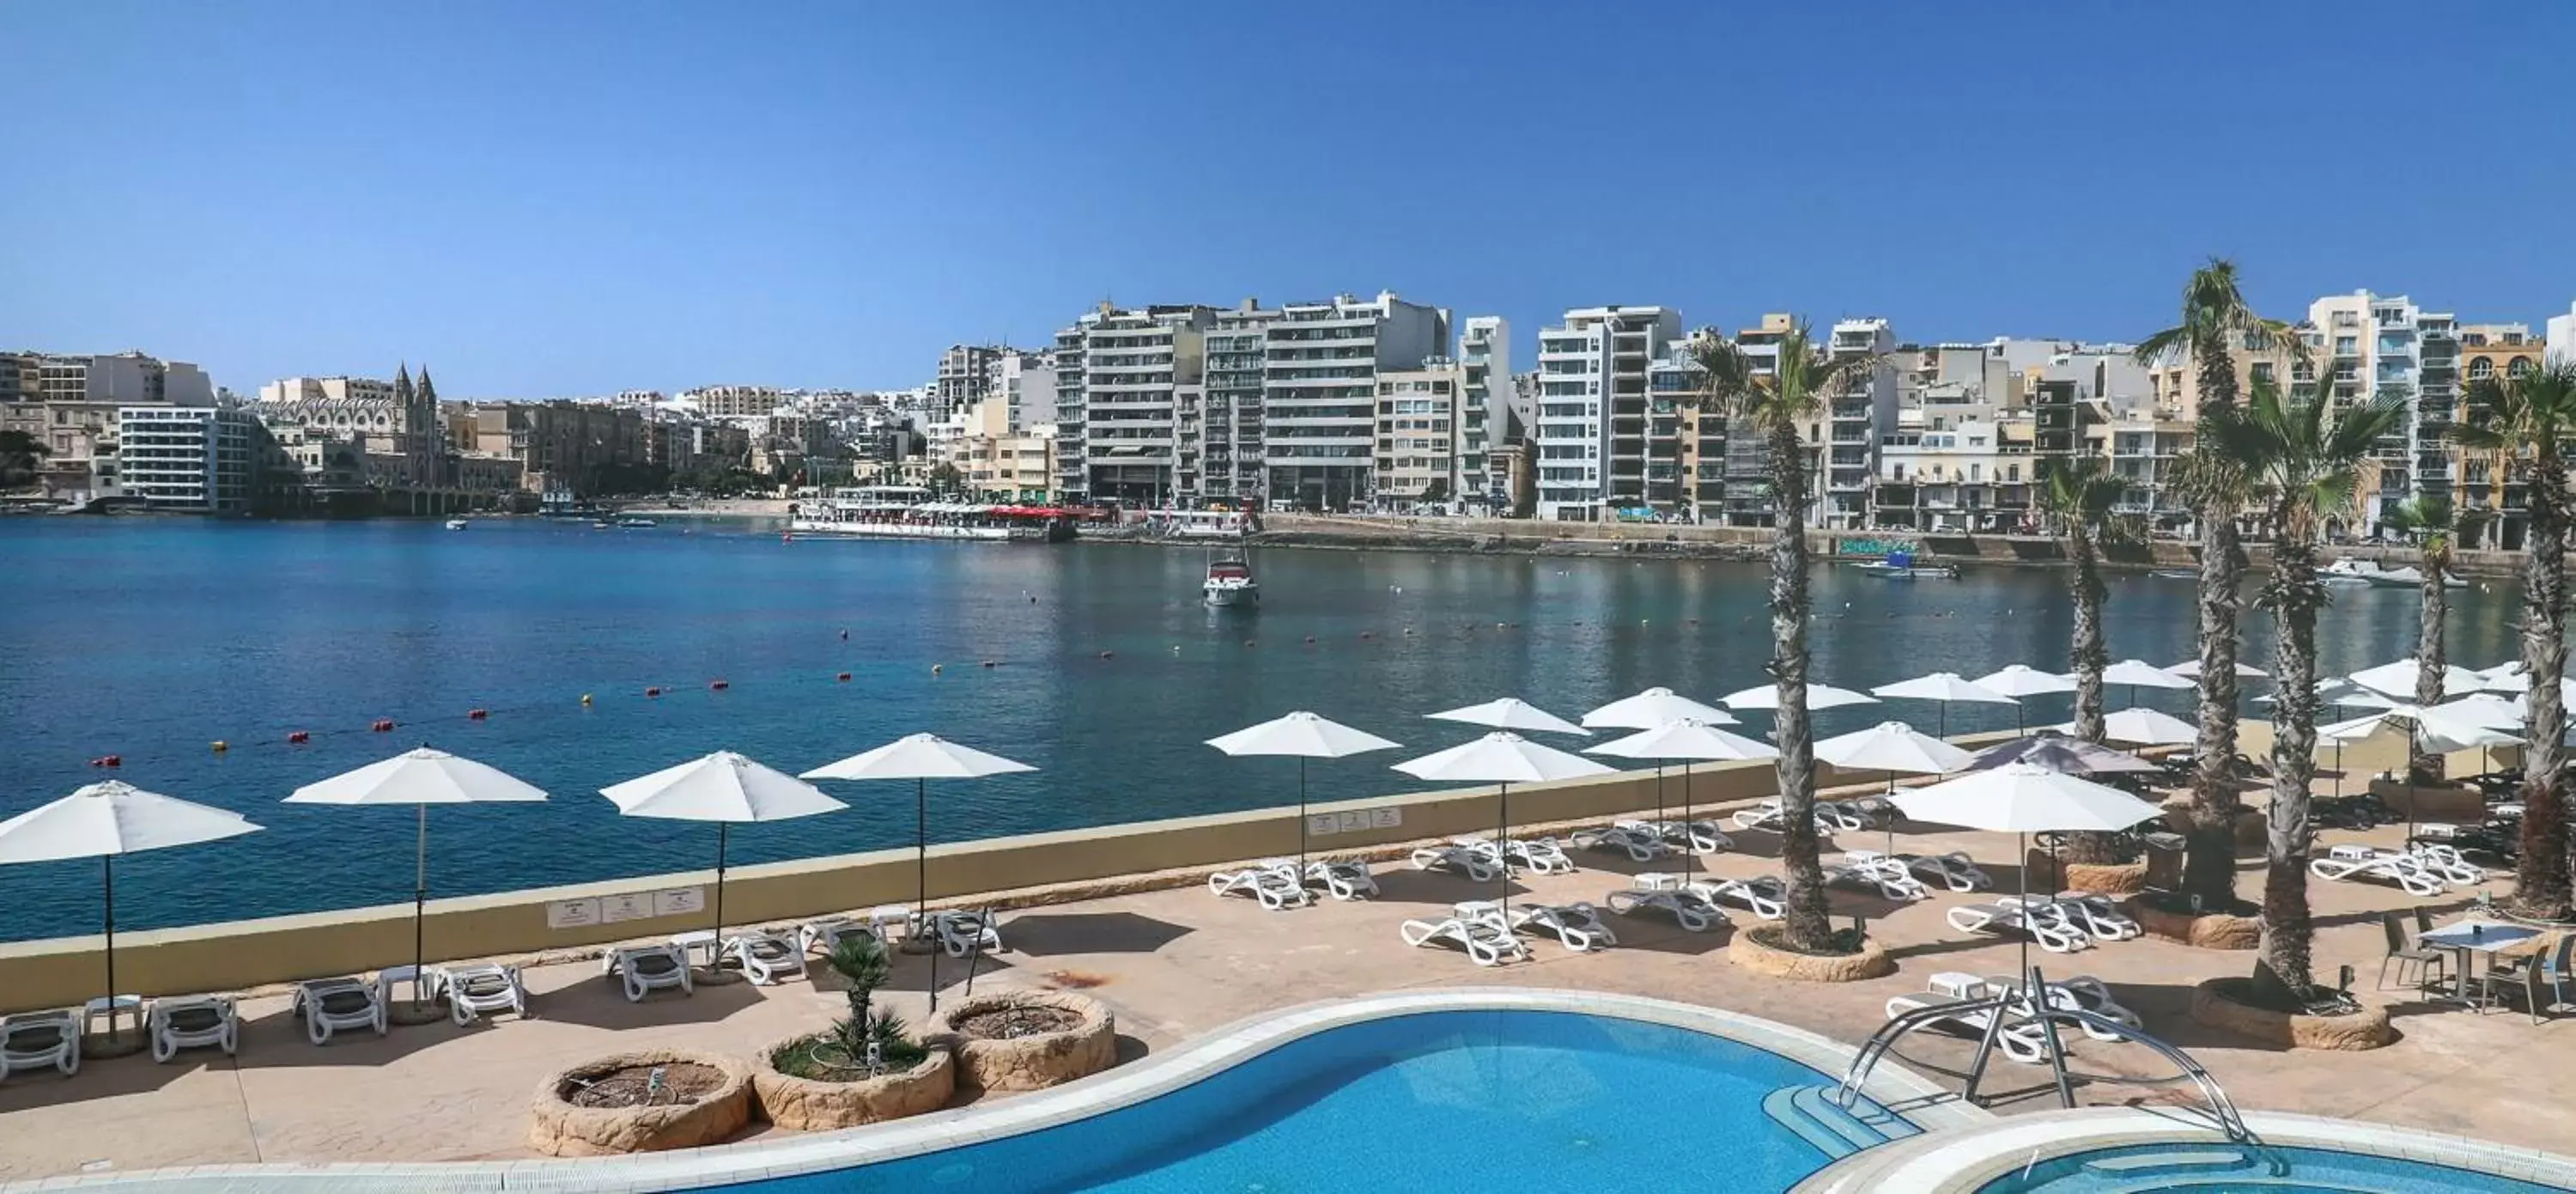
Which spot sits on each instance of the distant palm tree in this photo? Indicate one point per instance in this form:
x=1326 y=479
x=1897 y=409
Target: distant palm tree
x=2216 y=323
x=2529 y=424
x=1775 y=401
x=2434 y=525
x=2303 y=463
x=2079 y=504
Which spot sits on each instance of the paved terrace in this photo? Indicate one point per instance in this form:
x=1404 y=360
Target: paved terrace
x=1177 y=963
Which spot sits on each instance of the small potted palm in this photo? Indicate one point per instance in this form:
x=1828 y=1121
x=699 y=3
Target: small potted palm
x=865 y=1068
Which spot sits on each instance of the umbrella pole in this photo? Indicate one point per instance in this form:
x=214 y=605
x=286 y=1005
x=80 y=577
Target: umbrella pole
x=723 y=830
x=1504 y=797
x=2021 y=847
x=1688 y=841
x=107 y=880
x=419 y=896
x=920 y=846
x=1945 y=721
x=1301 y=820
x=1659 y=796
x=1891 y=814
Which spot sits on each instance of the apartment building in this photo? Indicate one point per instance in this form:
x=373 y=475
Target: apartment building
x=2498 y=350
x=734 y=402
x=1747 y=457
x=557 y=445
x=1025 y=382
x=1974 y=476
x=2560 y=341
x=72 y=404
x=1597 y=433
x=1235 y=464
x=1677 y=388
x=1320 y=362
x=2372 y=347
x=1119 y=377
x=197 y=459
x=1420 y=433
x=1863 y=411
x=1485 y=352
x=2494 y=502
x=364 y=410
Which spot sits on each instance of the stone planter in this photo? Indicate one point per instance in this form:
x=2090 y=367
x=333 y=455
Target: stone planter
x=2107 y=878
x=561 y=1129
x=2365 y=1029
x=1871 y=962
x=2249 y=823
x=811 y=1105
x=2208 y=930
x=1027 y=1062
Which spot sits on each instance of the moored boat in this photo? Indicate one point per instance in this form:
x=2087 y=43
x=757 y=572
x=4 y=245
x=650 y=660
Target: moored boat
x=906 y=512
x=456 y=524
x=1230 y=584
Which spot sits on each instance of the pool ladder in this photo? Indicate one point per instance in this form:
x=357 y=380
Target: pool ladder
x=1880 y=1043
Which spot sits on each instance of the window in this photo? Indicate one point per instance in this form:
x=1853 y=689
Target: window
x=2519 y=367
x=2263 y=371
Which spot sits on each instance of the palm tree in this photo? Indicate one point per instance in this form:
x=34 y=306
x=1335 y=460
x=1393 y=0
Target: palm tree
x=2434 y=525
x=2079 y=503
x=2303 y=463
x=1774 y=403
x=2529 y=423
x=2216 y=322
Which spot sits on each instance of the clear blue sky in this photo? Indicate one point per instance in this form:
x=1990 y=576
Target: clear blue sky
x=577 y=197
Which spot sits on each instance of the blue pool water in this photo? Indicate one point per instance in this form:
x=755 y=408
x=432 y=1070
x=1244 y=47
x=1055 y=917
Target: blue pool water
x=2214 y=1169
x=1468 y=1100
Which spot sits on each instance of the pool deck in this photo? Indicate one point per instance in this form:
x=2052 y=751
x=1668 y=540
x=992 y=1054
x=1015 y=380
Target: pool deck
x=1176 y=964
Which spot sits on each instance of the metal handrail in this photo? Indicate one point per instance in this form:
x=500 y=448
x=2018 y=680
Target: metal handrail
x=2230 y=1121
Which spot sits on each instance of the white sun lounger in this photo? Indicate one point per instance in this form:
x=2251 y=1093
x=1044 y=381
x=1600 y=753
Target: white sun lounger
x=1701 y=836
x=1766 y=815
x=1577 y=925
x=1486 y=943
x=1272 y=881
x=2402 y=869
x=192 y=1022
x=330 y=1005
x=2053 y=934
x=2095 y=915
x=1764 y=895
x=1343 y=879
x=480 y=989
x=961 y=933
x=2447 y=862
x=1537 y=855
x=765 y=957
x=2082 y=992
x=644 y=968
x=40 y=1040
x=1952 y=870
x=2022 y=1040
x=1483 y=866
x=1844 y=816
x=824 y=934
x=1891 y=879
x=1637 y=839
x=1665 y=893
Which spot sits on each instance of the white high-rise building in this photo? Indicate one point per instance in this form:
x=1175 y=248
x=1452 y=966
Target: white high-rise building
x=1126 y=381
x=1856 y=420
x=1485 y=350
x=2560 y=336
x=2372 y=346
x=1595 y=431
x=189 y=458
x=1320 y=362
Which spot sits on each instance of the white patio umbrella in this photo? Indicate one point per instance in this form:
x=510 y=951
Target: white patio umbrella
x=1819 y=696
x=1647 y=710
x=1305 y=736
x=919 y=758
x=2506 y=677
x=725 y=788
x=2062 y=753
x=1944 y=687
x=2433 y=730
x=1510 y=713
x=2142 y=727
x=2023 y=799
x=103 y=820
x=1892 y=747
x=2189 y=669
x=2134 y=674
x=2019 y=680
x=2398 y=679
x=1501 y=758
x=1689 y=741
x=419 y=778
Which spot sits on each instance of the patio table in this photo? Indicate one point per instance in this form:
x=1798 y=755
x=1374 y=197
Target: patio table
x=2468 y=940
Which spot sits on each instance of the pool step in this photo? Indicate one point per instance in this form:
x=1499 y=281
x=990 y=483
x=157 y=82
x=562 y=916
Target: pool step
x=2180 y=1163
x=1810 y=1113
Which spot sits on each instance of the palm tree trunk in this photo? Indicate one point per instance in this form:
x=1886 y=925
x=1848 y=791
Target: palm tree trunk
x=2209 y=870
x=2541 y=876
x=1805 y=925
x=2090 y=656
x=2283 y=970
x=2422 y=766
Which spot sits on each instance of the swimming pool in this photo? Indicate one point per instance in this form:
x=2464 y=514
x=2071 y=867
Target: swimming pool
x=2139 y=1169
x=1430 y=1101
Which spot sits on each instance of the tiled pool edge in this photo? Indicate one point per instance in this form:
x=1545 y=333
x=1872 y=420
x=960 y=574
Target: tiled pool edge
x=1917 y=1098
x=1963 y=1162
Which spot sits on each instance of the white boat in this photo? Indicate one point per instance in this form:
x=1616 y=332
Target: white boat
x=456 y=524
x=2349 y=572
x=2409 y=578
x=1201 y=524
x=906 y=512
x=1229 y=583
x=1900 y=565
x=635 y=520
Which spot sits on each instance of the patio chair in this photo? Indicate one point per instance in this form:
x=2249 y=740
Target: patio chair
x=2527 y=975
x=1664 y=893
x=330 y=1005
x=766 y=957
x=961 y=932
x=192 y=1022
x=1343 y=879
x=1486 y=944
x=475 y=989
x=1577 y=925
x=37 y=1040
x=2403 y=952
x=1540 y=855
x=1272 y=881
x=645 y=968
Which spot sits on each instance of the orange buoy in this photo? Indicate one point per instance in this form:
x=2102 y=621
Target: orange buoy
x=382 y=725
x=843 y=677
x=116 y=760
x=719 y=685
x=221 y=746
x=477 y=714
x=299 y=737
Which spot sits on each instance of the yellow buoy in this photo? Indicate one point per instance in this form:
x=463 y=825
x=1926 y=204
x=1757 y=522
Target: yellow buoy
x=585 y=698
x=221 y=746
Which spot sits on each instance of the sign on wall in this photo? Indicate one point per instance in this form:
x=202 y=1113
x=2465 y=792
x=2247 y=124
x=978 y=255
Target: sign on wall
x=1352 y=821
